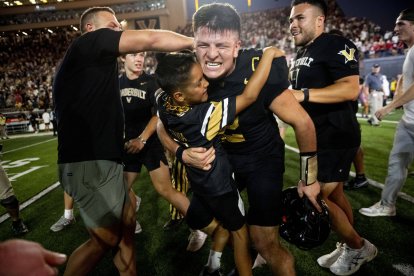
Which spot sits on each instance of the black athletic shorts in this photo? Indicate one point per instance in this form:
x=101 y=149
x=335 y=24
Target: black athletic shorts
x=227 y=209
x=264 y=188
x=150 y=157
x=334 y=164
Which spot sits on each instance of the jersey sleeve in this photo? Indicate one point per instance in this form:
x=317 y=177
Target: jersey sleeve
x=102 y=43
x=217 y=115
x=277 y=82
x=343 y=59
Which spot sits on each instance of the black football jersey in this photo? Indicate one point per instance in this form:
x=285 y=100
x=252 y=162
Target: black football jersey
x=254 y=133
x=138 y=100
x=320 y=64
x=199 y=126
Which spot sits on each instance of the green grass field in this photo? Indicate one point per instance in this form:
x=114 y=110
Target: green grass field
x=31 y=165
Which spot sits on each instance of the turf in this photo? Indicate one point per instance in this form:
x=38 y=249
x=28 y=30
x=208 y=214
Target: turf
x=162 y=252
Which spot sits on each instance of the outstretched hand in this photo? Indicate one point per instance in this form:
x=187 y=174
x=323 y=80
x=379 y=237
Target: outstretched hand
x=21 y=257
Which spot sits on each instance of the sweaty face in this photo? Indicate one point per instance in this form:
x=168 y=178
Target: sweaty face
x=195 y=90
x=216 y=51
x=134 y=63
x=305 y=24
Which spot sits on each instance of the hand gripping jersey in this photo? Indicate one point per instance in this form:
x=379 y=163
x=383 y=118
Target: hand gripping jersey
x=327 y=59
x=254 y=133
x=198 y=126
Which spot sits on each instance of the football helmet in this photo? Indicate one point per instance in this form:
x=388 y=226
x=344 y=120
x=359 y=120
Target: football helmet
x=302 y=224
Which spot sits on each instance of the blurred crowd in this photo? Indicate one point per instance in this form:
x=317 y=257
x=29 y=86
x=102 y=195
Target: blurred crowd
x=28 y=61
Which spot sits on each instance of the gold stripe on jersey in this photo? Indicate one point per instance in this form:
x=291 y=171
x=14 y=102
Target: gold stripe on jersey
x=215 y=119
x=254 y=59
x=179 y=182
x=231 y=137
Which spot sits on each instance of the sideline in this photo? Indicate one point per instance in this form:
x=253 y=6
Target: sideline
x=370 y=181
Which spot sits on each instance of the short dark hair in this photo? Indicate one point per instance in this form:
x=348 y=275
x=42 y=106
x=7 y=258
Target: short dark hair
x=321 y=4
x=407 y=14
x=217 y=17
x=88 y=14
x=173 y=70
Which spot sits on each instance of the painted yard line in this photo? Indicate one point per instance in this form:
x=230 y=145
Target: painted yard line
x=383 y=121
x=33 y=199
x=28 y=146
x=405 y=269
x=370 y=181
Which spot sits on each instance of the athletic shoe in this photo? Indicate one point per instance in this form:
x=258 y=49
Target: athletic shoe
x=19 y=228
x=378 y=210
x=351 y=259
x=172 y=224
x=259 y=261
x=205 y=272
x=328 y=259
x=138 y=203
x=138 y=228
x=356 y=183
x=62 y=223
x=196 y=240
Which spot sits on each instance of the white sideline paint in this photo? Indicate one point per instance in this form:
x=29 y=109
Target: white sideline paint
x=370 y=181
x=405 y=269
x=33 y=199
x=28 y=146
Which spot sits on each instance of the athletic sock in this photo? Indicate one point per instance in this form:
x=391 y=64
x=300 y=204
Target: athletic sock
x=68 y=214
x=214 y=261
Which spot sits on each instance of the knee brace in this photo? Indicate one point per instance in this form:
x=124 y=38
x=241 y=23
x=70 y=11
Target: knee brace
x=10 y=203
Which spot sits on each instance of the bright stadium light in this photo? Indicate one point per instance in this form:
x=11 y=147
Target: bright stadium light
x=50 y=31
x=73 y=27
x=24 y=33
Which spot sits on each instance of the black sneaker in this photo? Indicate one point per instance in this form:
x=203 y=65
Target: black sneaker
x=205 y=272
x=172 y=224
x=356 y=183
x=19 y=228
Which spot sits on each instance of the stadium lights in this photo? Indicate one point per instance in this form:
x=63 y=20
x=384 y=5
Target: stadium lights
x=18 y=3
x=24 y=33
x=50 y=31
x=6 y=3
x=33 y=1
x=73 y=27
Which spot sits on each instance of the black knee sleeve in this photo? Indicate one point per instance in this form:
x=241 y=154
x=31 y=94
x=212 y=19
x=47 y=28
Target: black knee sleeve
x=10 y=203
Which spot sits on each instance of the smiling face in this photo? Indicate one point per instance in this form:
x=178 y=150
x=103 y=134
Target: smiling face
x=405 y=31
x=306 y=23
x=216 y=51
x=194 y=90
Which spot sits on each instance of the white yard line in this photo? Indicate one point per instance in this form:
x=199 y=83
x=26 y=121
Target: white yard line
x=33 y=199
x=28 y=146
x=370 y=181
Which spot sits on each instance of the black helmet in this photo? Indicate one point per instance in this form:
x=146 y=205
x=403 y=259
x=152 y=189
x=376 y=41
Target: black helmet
x=302 y=225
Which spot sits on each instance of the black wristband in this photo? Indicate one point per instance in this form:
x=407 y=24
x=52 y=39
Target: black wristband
x=305 y=95
x=179 y=154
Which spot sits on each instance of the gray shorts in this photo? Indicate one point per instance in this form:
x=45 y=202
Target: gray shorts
x=6 y=189
x=98 y=188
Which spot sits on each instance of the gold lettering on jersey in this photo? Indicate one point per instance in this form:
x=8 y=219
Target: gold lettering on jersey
x=253 y=68
x=348 y=53
x=179 y=136
x=133 y=92
x=304 y=61
x=233 y=137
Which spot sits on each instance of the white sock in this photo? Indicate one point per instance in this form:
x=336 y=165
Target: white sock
x=68 y=214
x=214 y=261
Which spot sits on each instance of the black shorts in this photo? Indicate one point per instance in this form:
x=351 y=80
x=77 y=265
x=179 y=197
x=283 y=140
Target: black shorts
x=334 y=164
x=150 y=157
x=227 y=209
x=264 y=190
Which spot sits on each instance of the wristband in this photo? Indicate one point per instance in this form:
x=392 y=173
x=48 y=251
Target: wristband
x=142 y=140
x=305 y=95
x=308 y=167
x=179 y=154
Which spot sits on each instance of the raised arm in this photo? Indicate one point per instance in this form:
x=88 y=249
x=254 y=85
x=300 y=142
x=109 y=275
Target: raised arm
x=258 y=79
x=398 y=101
x=133 y=41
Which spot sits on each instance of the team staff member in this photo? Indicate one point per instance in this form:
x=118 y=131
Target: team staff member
x=252 y=142
x=326 y=69
x=90 y=134
x=142 y=147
